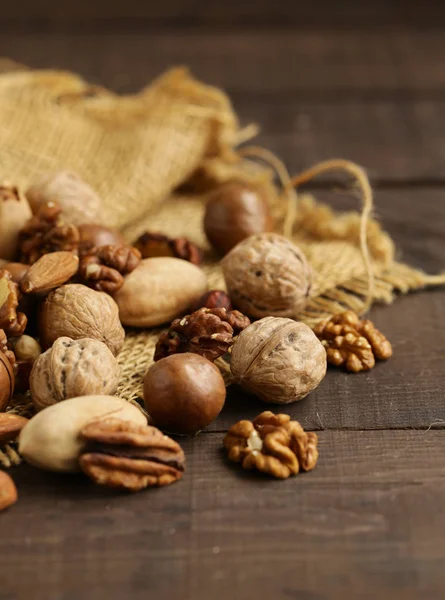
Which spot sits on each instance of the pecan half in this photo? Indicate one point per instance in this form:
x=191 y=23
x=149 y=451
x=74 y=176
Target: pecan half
x=46 y=232
x=272 y=444
x=352 y=343
x=103 y=268
x=208 y=332
x=123 y=455
x=157 y=244
x=12 y=322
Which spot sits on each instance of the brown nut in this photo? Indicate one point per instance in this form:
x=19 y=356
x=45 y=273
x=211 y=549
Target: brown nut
x=93 y=235
x=14 y=212
x=17 y=270
x=267 y=275
x=8 y=491
x=49 y=272
x=10 y=427
x=278 y=360
x=72 y=368
x=77 y=312
x=184 y=393
x=234 y=212
x=78 y=201
x=213 y=299
x=158 y=291
x=7 y=381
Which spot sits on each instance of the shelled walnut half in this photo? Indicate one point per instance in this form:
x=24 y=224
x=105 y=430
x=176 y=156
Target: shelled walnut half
x=272 y=444
x=353 y=343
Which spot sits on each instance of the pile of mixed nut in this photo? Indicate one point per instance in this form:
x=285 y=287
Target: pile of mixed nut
x=69 y=285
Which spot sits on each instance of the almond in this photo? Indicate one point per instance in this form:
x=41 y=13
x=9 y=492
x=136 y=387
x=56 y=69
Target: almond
x=10 y=427
x=49 y=272
x=8 y=491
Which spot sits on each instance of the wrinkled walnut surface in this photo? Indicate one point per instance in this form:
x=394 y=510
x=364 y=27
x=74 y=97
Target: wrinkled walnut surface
x=77 y=312
x=122 y=454
x=12 y=322
x=103 y=268
x=279 y=360
x=267 y=275
x=272 y=444
x=72 y=368
x=208 y=332
x=352 y=342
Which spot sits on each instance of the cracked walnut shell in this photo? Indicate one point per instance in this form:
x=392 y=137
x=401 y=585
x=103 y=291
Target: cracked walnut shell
x=279 y=360
x=272 y=444
x=77 y=312
x=72 y=368
x=267 y=275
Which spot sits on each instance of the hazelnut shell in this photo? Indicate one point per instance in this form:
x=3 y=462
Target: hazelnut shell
x=279 y=360
x=234 y=212
x=184 y=393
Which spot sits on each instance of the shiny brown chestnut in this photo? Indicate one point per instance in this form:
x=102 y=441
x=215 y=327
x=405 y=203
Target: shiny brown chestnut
x=92 y=234
x=7 y=382
x=184 y=393
x=234 y=212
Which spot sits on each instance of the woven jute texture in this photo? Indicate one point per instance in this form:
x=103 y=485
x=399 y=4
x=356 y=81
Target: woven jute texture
x=137 y=150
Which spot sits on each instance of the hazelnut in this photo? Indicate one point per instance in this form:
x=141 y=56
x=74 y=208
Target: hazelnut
x=183 y=393
x=213 y=299
x=51 y=439
x=94 y=235
x=77 y=312
x=72 y=368
x=7 y=381
x=26 y=350
x=234 y=212
x=14 y=213
x=78 y=201
x=158 y=291
x=17 y=270
x=267 y=275
x=278 y=360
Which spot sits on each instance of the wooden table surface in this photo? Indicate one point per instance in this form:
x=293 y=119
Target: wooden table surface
x=324 y=80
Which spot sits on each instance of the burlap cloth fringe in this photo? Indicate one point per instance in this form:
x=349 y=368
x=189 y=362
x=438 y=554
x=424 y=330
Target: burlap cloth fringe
x=136 y=150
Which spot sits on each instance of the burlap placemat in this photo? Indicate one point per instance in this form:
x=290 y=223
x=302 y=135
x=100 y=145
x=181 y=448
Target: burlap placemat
x=137 y=150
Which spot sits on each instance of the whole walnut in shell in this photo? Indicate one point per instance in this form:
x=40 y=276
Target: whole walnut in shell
x=77 y=312
x=279 y=360
x=72 y=368
x=267 y=275
x=78 y=201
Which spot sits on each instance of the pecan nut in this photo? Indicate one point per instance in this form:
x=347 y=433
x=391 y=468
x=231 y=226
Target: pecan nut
x=12 y=322
x=157 y=244
x=46 y=232
x=208 y=332
x=122 y=454
x=104 y=267
x=352 y=342
x=272 y=444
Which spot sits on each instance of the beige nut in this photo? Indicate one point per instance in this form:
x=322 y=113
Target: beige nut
x=279 y=360
x=72 y=368
x=78 y=201
x=25 y=347
x=14 y=213
x=267 y=275
x=50 y=271
x=77 y=312
x=158 y=291
x=51 y=439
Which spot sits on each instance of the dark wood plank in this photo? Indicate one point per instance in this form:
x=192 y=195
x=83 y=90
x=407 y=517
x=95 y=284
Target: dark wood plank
x=231 y=12
x=368 y=521
x=261 y=63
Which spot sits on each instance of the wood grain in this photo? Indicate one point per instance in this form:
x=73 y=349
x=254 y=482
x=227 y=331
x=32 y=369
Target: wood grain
x=367 y=519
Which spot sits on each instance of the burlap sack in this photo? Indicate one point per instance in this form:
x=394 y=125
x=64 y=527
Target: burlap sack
x=136 y=150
